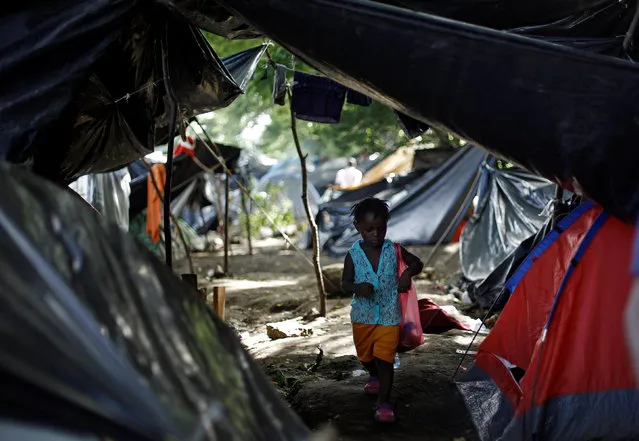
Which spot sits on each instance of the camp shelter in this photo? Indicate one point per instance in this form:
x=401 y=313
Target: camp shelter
x=119 y=67
x=569 y=125
x=422 y=210
x=513 y=204
x=185 y=170
x=112 y=345
x=555 y=365
x=288 y=183
x=400 y=161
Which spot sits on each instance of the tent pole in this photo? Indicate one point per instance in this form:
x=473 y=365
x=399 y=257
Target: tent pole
x=168 y=245
x=181 y=234
x=227 y=188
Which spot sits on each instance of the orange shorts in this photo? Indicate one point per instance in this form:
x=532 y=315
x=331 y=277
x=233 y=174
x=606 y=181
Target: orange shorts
x=375 y=341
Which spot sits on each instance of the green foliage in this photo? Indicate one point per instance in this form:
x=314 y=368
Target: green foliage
x=279 y=210
x=362 y=129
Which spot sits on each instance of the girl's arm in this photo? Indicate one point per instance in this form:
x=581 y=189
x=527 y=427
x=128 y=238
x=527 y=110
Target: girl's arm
x=415 y=266
x=348 y=280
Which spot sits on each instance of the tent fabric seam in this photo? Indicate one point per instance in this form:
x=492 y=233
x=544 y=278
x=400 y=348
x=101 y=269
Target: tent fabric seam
x=545 y=243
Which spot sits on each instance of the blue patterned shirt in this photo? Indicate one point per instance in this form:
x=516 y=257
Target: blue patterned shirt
x=383 y=307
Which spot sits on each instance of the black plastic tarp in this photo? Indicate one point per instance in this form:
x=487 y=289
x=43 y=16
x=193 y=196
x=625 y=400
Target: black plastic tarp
x=185 y=170
x=425 y=159
x=98 y=336
x=489 y=292
x=566 y=114
x=423 y=211
x=211 y=17
x=574 y=18
x=513 y=205
x=93 y=106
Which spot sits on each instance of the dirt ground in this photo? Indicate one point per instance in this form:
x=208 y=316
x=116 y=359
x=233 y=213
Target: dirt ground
x=277 y=284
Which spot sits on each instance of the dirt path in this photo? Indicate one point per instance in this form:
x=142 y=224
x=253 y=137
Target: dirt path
x=277 y=285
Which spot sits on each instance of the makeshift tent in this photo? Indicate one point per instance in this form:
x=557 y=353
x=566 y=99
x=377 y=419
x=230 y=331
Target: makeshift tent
x=421 y=211
x=241 y=67
x=290 y=186
x=572 y=112
x=185 y=170
x=398 y=162
x=555 y=365
x=110 y=343
x=95 y=106
x=513 y=205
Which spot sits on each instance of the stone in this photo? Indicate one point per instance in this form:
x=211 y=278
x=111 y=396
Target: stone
x=287 y=329
x=311 y=315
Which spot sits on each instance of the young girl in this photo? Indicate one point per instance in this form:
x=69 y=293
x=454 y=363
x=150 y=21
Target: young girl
x=370 y=273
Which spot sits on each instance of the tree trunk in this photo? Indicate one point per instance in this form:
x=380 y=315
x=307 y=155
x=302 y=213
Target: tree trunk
x=311 y=220
x=248 y=220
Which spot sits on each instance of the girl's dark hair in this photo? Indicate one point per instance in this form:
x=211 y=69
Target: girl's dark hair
x=374 y=206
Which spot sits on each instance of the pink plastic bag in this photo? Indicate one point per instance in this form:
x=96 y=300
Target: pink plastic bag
x=410 y=329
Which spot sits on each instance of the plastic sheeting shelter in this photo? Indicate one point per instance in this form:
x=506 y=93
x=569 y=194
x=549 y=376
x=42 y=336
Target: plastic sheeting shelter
x=185 y=170
x=108 y=193
x=423 y=210
x=562 y=328
x=95 y=106
x=290 y=185
x=573 y=112
x=513 y=205
x=99 y=338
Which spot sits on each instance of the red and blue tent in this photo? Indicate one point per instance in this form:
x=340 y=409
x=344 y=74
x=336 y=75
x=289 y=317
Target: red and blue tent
x=556 y=365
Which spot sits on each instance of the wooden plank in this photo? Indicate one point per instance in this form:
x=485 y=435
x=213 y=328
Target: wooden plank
x=219 y=300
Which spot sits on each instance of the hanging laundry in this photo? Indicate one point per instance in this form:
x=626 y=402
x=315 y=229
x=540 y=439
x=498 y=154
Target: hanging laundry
x=154 y=201
x=185 y=146
x=279 y=85
x=359 y=99
x=411 y=127
x=317 y=99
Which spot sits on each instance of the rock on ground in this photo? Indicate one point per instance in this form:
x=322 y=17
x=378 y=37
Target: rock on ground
x=286 y=329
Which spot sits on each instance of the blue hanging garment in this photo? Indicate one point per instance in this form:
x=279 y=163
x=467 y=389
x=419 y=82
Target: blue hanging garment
x=359 y=99
x=317 y=99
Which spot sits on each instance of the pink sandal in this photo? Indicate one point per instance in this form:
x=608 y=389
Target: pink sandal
x=372 y=386
x=384 y=414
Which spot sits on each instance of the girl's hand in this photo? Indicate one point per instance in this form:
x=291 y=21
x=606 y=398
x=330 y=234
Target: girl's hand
x=364 y=290
x=404 y=282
